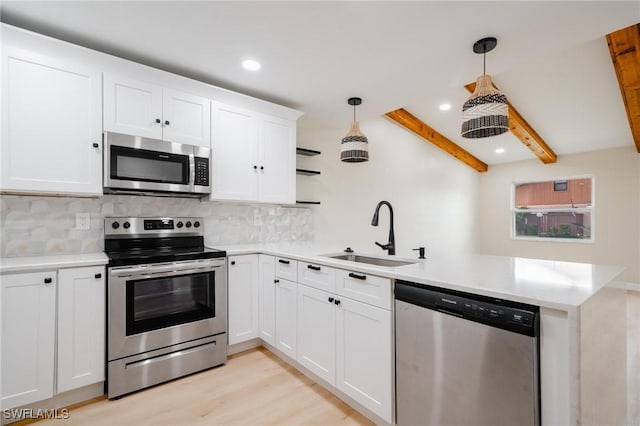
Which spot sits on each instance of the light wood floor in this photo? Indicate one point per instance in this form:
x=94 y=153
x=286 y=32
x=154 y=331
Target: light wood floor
x=252 y=388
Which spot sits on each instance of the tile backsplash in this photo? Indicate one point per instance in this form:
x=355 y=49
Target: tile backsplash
x=35 y=226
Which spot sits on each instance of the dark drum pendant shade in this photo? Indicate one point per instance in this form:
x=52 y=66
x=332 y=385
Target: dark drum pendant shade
x=355 y=146
x=486 y=112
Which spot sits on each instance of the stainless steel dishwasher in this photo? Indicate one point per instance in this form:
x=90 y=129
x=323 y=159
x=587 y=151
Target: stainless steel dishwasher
x=464 y=360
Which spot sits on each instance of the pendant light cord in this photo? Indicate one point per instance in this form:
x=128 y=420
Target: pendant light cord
x=484 y=66
x=354 y=113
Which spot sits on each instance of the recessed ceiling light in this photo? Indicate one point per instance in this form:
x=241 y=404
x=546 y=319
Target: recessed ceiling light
x=499 y=150
x=445 y=107
x=251 y=65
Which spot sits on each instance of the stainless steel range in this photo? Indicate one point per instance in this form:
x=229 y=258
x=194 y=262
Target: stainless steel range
x=167 y=302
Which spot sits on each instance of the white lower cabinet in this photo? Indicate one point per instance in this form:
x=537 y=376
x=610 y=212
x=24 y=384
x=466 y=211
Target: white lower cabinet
x=317 y=332
x=286 y=316
x=267 y=299
x=31 y=371
x=81 y=327
x=243 y=279
x=28 y=337
x=349 y=345
x=364 y=350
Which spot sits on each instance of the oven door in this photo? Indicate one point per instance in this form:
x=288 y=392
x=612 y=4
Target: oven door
x=159 y=305
x=144 y=164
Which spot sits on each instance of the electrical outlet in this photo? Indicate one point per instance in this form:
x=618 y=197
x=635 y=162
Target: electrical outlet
x=83 y=221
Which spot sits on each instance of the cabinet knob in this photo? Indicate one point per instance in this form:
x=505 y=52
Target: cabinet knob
x=158 y=120
x=233 y=262
x=96 y=145
x=255 y=167
x=166 y=122
x=337 y=302
x=261 y=167
x=97 y=276
x=331 y=299
x=48 y=280
x=276 y=281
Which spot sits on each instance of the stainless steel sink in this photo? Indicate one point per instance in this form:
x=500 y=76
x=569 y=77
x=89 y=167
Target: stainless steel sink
x=371 y=260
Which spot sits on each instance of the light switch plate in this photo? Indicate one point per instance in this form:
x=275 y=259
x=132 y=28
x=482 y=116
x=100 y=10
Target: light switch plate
x=83 y=221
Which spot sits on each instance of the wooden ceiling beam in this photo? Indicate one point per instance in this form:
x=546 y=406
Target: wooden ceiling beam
x=527 y=135
x=624 y=47
x=414 y=124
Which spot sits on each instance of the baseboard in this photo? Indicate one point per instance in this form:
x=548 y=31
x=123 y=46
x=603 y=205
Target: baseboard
x=243 y=346
x=54 y=407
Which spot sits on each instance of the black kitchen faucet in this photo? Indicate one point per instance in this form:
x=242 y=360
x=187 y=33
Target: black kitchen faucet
x=391 y=245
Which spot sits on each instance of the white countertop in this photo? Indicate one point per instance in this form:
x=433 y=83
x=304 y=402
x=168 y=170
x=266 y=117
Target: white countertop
x=39 y=263
x=546 y=283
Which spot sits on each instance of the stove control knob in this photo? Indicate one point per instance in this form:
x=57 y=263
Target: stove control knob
x=115 y=225
x=126 y=225
x=196 y=224
x=188 y=224
x=179 y=224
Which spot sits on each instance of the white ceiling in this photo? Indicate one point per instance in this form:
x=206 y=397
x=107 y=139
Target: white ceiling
x=552 y=60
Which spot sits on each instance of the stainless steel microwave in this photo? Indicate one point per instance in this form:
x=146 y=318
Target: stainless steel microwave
x=145 y=166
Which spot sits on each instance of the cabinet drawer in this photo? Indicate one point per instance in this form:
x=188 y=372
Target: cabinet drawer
x=317 y=276
x=287 y=269
x=364 y=288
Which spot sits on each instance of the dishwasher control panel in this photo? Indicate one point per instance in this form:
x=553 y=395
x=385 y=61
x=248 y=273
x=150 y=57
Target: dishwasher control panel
x=513 y=316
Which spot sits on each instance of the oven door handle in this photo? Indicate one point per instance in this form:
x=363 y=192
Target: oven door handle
x=159 y=269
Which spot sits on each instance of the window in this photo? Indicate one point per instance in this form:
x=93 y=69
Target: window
x=560 y=185
x=556 y=209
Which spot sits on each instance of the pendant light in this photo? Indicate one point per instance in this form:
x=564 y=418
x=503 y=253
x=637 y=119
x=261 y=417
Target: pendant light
x=355 y=146
x=486 y=112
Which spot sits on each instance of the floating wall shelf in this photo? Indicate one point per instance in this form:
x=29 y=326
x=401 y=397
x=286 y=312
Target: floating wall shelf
x=307 y=152
x=307 y=172
x=308 y=202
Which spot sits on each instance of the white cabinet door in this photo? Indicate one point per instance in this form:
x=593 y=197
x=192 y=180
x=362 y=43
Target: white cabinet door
x=51 y=114
x=267 y=299
x=81 y=327
x=243 y=298
x=364 y=353
x=28 y=333
x=317 y=332
x=186 y=118
x=286 y=317
x=132 y=107
x=277 y=160
x=234 y=163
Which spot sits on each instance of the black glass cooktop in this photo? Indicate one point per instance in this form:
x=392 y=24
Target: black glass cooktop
x=134 y=251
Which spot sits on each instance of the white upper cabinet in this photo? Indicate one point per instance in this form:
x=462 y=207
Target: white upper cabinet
x=277 y=158
x=187 y=118
x=51 y=125
x=234 y=162
x=132 y=107
x=142 y=109
x=253 y=156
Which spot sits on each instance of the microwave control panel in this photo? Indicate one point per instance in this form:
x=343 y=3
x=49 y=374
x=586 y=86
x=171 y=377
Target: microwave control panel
x=202 y=171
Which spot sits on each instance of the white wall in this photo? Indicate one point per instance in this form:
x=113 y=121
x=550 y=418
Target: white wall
x=433 y=195
x=617 y=209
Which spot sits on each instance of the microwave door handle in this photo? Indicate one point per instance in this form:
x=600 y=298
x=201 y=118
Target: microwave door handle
x=192 y=171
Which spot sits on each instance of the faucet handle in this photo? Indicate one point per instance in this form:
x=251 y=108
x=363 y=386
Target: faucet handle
x=382 y=246
x=421 y=252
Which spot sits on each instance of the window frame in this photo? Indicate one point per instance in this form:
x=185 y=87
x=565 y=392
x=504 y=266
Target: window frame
x=591 y=210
